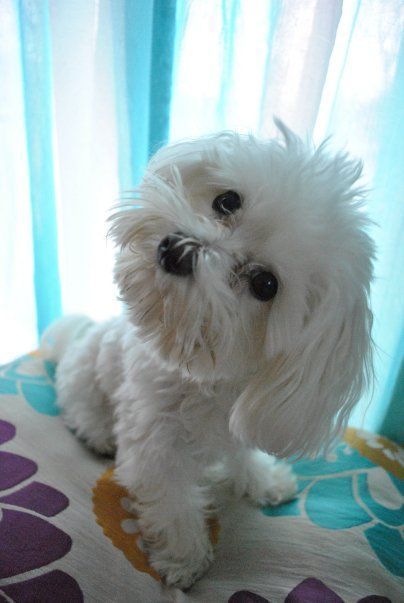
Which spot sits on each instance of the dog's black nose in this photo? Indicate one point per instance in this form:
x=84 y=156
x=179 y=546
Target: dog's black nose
x=177 y=254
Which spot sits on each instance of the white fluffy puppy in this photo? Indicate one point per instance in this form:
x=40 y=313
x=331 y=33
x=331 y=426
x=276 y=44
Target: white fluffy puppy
x=245 y=269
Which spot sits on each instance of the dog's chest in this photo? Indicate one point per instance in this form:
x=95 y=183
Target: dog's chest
x=205 y=421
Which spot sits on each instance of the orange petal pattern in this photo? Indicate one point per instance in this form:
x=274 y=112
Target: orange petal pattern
x=119 y=524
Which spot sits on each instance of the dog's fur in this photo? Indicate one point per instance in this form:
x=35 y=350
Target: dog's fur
x=198 y=373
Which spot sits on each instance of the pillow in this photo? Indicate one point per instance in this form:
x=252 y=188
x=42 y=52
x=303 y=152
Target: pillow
x=66 y=533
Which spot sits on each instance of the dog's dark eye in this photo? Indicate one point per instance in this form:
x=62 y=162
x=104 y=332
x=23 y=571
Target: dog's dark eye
x=227 y=203
x=263 y=285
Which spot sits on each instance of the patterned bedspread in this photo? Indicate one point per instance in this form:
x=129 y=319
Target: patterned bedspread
x=66 y=534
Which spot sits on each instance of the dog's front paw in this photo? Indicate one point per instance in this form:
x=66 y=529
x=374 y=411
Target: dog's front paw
x=271 y=483
x=181 y=572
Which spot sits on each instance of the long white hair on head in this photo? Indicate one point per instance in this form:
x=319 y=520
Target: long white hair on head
x=318 y=342
x=189 y=321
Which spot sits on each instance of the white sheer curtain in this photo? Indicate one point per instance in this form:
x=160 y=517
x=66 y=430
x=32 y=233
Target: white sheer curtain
x=324 y=67
x=17 y=316
x=85 y=161
x=86 y=149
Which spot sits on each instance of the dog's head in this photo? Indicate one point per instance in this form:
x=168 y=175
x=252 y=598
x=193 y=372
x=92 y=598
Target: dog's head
x=248 y=262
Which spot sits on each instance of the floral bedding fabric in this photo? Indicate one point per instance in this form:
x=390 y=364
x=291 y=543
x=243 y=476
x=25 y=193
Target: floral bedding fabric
x=67 y=535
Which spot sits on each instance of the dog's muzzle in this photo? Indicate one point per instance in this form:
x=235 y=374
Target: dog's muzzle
x=177 y=254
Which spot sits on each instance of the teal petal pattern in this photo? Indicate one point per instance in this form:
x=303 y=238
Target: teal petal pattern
x=34 y=378
x=27 y=368
x=334 y=494
x=344 y=458
x=399 y=483
x=50 y=368
x=331 y=504
x=393 y=517
x=41 y=397
x=7 y=386
x=388 y=545
x=289 y=508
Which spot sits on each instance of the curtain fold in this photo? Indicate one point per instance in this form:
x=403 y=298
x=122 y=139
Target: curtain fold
x=18 y=322
x=133 y=33
x=162 y=62
x=86 y=152
x=294 y=80
x=92 y=88
x=366 y=116
x=35 y=48
x=144 y=39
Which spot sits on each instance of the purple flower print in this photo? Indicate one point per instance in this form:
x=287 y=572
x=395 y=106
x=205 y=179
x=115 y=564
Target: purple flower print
x=14 y=469
x=245 y=596
x=28 y=541
x=48 y=588
x=7 y=432
x=310 y=590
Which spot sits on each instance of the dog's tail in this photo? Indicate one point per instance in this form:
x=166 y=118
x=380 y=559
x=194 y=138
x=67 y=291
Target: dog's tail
x=61 y=334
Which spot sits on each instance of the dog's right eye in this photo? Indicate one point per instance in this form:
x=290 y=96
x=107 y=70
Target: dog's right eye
x=263 y=285
x=227 y=203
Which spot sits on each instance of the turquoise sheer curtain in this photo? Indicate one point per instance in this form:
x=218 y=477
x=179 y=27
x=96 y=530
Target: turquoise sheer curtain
x=36 y=76
x=90 y=88
x=144 y=37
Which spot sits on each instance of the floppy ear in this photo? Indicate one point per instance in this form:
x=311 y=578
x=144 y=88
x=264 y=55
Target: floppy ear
x=301 y=400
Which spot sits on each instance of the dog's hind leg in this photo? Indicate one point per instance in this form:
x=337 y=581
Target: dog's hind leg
x=85 y=407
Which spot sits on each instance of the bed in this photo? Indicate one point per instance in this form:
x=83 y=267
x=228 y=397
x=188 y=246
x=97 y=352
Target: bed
x=66 y=534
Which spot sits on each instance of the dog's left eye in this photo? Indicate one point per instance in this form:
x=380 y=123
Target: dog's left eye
x=227 y=203
x=263 y=285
